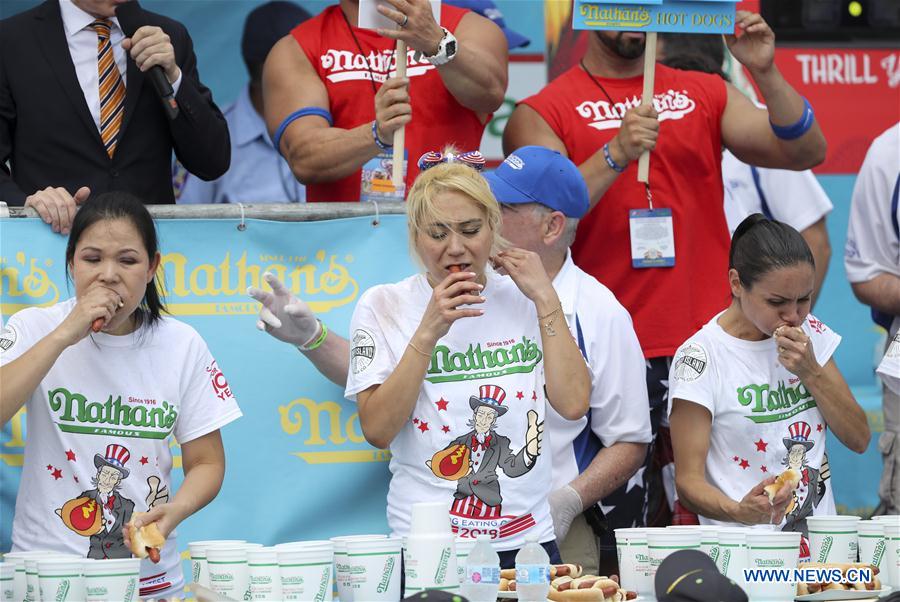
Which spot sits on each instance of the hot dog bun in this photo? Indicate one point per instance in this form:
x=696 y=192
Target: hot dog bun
x=146 y=537
x=789 y=478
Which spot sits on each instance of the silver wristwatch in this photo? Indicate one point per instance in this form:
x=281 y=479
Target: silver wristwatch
x=446 y=50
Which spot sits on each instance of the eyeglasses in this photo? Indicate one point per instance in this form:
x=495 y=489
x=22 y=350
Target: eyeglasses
x=473 y=159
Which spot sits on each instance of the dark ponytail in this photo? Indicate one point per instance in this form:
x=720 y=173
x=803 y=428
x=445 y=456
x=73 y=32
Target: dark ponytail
x=760 y=245
x=122 y=205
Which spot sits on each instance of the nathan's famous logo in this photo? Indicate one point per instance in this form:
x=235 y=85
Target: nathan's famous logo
x=479 y=362
x=603 y=115
x=324 y=582
x=774 y=405
x=347 y=65
x=339 y=426
x=386 y=575
x=440 y=575
x=323 y=281
x=616 y=16
x=142 y=418
x=25 y=282
x=827 y=543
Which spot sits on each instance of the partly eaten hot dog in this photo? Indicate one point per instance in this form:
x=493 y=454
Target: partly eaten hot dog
x=147 y=541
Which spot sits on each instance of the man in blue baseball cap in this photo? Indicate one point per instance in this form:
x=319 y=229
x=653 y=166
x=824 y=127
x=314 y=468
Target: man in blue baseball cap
x=599 y=457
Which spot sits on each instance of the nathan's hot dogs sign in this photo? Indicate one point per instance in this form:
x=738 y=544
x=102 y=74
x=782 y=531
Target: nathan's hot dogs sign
x=675 y=16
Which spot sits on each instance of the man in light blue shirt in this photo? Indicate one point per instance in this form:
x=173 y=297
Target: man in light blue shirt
x=258 y=173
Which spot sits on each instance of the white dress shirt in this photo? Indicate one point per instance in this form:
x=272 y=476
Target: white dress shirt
x=82 y=41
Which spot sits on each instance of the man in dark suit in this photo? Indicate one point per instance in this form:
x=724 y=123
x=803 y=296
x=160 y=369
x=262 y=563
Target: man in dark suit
x=65 y=140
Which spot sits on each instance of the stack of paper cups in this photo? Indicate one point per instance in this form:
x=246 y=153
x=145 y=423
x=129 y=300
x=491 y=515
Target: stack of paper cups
x=20 y=581
x=709 y=538
x=463 y=546
x=430 y=557
x=16 y=564
x=32 y=580
x=375 y=569
x=117 y=579
x=306 y=571
x=662 y=542
x=832 y=538
x=229 y=575
x=732 y=558
x=634 y=561
x=265 y=577
x=342 y=566
x=199 y=568
x=890 y=566
x=772 y=550
x=871 y=542
x=61 y=579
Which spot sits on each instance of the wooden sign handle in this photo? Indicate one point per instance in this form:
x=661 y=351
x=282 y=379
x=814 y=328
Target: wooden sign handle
x=399 y=133
x=647 y=98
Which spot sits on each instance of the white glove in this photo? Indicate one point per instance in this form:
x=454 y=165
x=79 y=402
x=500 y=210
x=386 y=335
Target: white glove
x=565 y=506
x=283 y=315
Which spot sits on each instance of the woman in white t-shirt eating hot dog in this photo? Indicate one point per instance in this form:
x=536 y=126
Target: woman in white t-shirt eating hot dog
x=755 y=391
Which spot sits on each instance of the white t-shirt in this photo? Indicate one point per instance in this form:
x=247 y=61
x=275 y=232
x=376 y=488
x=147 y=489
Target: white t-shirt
x=873 y=247
x=619 y=407
x=889 y=369
x=494 y=360
x=763 y=417
x=108 y=408
x=793 y=197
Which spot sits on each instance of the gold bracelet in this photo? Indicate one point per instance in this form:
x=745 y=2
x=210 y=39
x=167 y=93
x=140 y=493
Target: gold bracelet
x=419 y=351
x=558 y=308
x=548 y=327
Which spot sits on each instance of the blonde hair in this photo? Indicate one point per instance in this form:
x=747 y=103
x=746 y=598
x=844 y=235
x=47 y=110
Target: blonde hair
x=421 y=210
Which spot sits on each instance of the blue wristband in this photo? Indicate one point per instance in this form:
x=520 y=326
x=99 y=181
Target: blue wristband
x=378 y=142
x=323 y=113
x=610 y=161
x=794 y=131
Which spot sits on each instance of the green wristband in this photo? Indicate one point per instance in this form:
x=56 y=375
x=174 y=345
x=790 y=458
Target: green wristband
x=318 y=342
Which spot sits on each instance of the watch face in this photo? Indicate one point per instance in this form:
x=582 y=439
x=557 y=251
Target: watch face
x=451 y=48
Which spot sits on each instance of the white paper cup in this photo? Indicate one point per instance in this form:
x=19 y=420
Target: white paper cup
x=772 y=550
x=115 y=579
x=306 y=573
x=871 y=542
x=430 y=563
x=342 y=567
x=890 y=565
x=199 y=568
x=265 y=576
x=709 y=538
x=463 y=546
x=634 y=560
x=32 y=582
x=18 y=584
x=375 y=569
x=430 y=518
x=61 y=579
x=7 y=581
x=662 y=542
x=832 y=538
x=229 y=574
x=732 y=558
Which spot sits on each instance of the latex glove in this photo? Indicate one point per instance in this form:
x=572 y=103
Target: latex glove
x=283 y=315
x=565 y=506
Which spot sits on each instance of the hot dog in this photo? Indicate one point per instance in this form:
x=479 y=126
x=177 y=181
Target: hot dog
x=565 y=570
x=147 y=541
x=789 y=478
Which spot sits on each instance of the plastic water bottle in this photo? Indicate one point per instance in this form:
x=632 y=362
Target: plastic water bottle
x=482 y=578
x=532 y=571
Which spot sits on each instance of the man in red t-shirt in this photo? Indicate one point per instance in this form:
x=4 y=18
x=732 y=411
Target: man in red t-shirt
x=591 y=113
x=331 y=106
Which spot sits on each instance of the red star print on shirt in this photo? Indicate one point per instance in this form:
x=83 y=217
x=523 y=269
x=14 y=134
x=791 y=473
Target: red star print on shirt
x=57 y=474
x=144 y=460
x=819 y=428
x=534 y=395
x=441 y=404
x=520 y=395
x=445 y=428
x=744 y=464
x=423 y=426
x=415 y=421
x=49 y=467
x=70 y=456
x=760 y=445
x=735 y=458
x=764 y=469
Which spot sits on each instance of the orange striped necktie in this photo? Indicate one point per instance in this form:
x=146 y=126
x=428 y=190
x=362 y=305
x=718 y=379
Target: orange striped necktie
x=112 y=88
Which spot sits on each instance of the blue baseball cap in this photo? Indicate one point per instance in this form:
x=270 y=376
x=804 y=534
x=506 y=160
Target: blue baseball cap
x=488 y=9
x=535 y=174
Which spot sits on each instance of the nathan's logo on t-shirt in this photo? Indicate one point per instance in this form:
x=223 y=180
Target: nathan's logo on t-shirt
x=346 y=65
x=773 y=405
x=605 y=116
x=142 y=418
x=488 y=362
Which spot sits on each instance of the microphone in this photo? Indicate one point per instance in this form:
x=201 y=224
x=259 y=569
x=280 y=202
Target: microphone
x=131 y=18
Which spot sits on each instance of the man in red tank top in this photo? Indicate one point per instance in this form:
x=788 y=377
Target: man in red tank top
x=333 y=101
x=591 y=113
